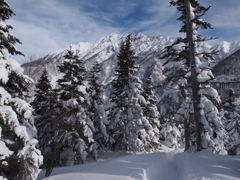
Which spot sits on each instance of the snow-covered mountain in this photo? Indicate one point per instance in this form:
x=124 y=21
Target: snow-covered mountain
x=104 y=51
x=225 y=49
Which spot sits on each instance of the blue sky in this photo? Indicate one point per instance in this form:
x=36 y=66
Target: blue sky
x=44 y=26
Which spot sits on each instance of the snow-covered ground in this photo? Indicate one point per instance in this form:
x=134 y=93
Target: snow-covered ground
x=171 y=165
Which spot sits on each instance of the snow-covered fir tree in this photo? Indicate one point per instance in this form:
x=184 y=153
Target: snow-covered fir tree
x=128 y=126
x=150 y=110
x=171 y=100
x=74 y=135
x=96 y=110
x=43 y=108
x=193 y=62
x=19 y=157
x=42 y=94
x=231 y=108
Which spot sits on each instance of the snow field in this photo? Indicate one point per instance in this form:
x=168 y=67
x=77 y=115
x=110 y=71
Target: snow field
x=172 y=165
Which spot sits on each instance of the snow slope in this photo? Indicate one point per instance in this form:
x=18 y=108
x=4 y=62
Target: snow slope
x=172 y=165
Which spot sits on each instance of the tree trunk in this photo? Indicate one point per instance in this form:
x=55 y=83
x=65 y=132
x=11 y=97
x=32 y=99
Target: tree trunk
x=187 y=133
x=194 y=81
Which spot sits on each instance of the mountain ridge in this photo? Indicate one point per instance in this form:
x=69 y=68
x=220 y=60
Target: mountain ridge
x=148 y=49
x=102 y=51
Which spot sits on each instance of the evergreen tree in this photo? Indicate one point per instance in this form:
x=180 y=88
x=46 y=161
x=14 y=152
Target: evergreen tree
x=128 y=126
x=193 y=63
x=150 y=110
x=19 y=158
x=96 y=109
x=42 y=94
x=43 y=108
x=73 y=71
x=49 y=125
x=172 y=99
x=74 y=135
x=232 y=123
x=8 y=41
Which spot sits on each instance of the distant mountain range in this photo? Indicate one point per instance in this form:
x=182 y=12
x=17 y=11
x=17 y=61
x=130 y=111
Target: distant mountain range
x=148 y=49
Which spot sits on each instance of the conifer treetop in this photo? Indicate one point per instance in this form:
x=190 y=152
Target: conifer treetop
x=6 y=39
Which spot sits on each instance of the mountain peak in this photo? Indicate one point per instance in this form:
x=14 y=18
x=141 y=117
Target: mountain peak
x=225 y=49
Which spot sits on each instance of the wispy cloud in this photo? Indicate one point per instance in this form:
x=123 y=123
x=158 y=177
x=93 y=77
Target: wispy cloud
x=48 y=25
x=107 y=10
x=35 y=40
x=224 y=17
x=163 y=20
